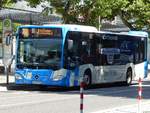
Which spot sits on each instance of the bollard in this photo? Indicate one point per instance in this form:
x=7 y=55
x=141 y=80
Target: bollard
x=7 y=74
x=81 y=96
x=139 y=95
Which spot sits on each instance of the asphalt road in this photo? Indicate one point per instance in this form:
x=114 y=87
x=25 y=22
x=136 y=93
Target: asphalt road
x=57 y=100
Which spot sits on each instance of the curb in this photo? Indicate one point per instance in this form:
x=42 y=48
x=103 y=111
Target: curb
x=3 y=88
x=6 y=87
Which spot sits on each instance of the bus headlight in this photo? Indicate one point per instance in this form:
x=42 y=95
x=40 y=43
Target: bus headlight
x=29 y=75
x=18 y=76
x=60 y=74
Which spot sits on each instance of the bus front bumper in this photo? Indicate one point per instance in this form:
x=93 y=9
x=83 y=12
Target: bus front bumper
x=46 y=77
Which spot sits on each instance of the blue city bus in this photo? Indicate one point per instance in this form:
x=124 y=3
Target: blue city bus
x=42 y=54
x=60 y=55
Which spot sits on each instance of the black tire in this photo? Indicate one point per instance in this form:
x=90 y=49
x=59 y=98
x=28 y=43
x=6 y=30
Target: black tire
x=129 y=77
x=87 y=78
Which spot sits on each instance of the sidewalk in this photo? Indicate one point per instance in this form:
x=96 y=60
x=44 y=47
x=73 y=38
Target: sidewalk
x=145 y=108
x=3 y=79
x=3 y=85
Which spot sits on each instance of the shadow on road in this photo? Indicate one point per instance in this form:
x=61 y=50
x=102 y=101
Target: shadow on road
x=13 y=86
x=111 y=90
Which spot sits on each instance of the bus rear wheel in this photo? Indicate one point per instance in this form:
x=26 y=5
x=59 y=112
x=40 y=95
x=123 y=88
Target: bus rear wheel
x=129 y=77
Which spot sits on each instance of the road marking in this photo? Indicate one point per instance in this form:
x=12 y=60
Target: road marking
x=142 y=85
x=35 y=102
x=23 y=94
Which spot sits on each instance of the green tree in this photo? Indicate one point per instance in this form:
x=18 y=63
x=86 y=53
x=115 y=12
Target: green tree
x=4 y=3
x=73 y=11
x=134 y=13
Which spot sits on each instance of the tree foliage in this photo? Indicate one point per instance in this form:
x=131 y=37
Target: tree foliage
x=4 y=3
x=134 y=13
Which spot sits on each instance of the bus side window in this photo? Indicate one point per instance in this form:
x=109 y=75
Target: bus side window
x=84 y=53
x=139 y=52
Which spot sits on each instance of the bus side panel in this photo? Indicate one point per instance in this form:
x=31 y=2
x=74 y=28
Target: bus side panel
x=109 y=74
x=115 y=73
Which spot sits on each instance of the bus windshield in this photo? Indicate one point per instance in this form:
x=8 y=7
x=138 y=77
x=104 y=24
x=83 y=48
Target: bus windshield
x=39 y=52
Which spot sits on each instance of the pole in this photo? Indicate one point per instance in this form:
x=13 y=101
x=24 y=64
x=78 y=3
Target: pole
x=139 y=95
x=81 y=95
x=7 y=75
x=99 y=21
x=81 y=86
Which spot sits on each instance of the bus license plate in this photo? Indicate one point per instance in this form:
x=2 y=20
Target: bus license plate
x=36 y=82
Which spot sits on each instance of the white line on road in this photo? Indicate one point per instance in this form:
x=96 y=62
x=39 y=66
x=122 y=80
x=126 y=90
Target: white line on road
x=143 y=85
x=89 y=92
x=23 y=94
x=34 y=102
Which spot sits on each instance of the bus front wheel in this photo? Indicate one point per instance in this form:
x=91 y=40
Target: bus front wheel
x=87 y=78
x=129 y=77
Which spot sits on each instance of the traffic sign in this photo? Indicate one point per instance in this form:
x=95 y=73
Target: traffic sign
x=7 y=46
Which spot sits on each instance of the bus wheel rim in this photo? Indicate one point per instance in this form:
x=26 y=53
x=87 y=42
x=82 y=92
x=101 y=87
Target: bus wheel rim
x=129 y=77
x=87 y=79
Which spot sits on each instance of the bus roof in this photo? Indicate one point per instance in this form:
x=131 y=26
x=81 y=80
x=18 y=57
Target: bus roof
x=74 y=27
x=108 y=32
x=138 y=33
x=130 y=33
x=69 y=27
